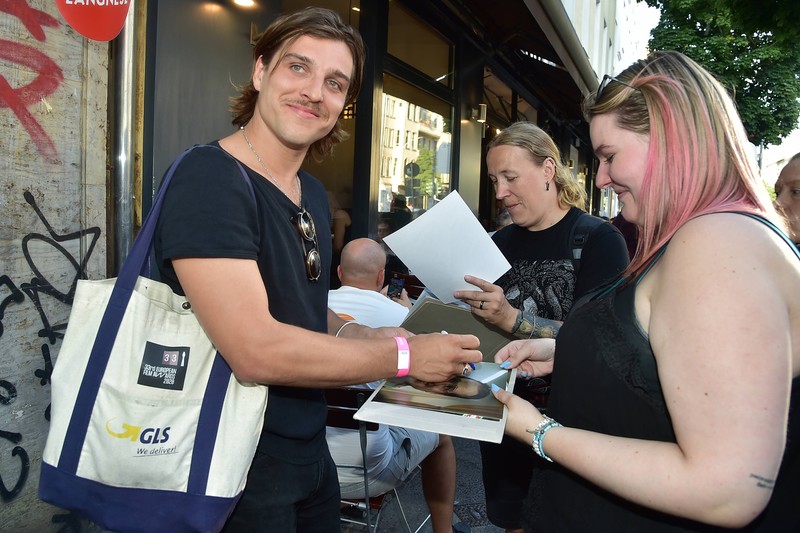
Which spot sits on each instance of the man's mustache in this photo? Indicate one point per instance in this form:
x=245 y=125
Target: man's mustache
x=312 y=106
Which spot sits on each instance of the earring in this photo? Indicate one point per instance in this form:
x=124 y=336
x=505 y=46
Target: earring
x=547 y=186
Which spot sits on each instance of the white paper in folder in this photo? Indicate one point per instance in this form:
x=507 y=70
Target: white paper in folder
x=446 y=243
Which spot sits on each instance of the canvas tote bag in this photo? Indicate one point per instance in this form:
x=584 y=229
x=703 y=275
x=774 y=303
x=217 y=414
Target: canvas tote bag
x=149 y=430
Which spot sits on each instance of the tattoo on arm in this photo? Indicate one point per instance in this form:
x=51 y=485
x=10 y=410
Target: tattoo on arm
x=533 y=326
x=763 y=482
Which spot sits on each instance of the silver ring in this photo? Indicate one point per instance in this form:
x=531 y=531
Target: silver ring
x=466 y=369
x=481 y=306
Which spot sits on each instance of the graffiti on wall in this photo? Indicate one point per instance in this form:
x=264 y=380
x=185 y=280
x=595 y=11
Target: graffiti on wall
x=38 y=287
x=45 y=280
x=48 y=74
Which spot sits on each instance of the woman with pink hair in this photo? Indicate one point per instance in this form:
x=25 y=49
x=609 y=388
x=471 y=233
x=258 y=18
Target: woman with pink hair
x=671 y=388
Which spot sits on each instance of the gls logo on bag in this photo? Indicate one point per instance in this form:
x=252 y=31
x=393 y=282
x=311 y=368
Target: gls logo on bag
x=145 y=436
x=148 y=436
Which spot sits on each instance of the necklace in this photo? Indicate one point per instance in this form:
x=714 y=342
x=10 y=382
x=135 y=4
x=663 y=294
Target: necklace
x=269 y=173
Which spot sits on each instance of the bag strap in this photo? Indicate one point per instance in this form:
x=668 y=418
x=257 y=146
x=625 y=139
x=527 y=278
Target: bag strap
x=134 y=265
x=579 y=236
x=774 y=228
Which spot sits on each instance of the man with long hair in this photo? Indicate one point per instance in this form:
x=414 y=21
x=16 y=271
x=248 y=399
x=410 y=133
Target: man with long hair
x=254 y=262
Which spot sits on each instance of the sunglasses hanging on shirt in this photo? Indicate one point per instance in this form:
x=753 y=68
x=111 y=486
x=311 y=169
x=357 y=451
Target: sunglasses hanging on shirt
x=305 y=226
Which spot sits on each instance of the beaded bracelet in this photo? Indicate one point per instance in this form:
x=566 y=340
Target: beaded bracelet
x=538 y=434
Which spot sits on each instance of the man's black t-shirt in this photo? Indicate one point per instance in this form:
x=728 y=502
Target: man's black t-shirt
x=209 y=212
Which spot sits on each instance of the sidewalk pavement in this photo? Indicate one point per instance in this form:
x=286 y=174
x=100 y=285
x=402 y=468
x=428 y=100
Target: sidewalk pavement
x=470 y=507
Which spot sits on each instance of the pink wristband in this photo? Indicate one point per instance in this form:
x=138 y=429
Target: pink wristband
x=403 y=356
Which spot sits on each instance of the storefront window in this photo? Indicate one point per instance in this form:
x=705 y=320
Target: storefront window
x=416 y=153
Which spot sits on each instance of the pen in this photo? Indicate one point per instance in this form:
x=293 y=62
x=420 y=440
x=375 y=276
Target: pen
x=471 y=365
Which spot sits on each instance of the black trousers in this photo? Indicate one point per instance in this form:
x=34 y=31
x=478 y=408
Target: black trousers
x=281 y=497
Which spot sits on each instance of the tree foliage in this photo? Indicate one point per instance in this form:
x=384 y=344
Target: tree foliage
x=750 y=47
x=426 y=162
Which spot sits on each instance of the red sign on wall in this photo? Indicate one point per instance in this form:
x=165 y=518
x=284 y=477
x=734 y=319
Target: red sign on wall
x=99 y=20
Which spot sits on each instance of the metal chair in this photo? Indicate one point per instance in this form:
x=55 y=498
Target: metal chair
x=342 y=404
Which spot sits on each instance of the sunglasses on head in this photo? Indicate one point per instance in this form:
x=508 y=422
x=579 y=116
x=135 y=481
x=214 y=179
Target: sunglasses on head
x=604 y=83
x=305 y=226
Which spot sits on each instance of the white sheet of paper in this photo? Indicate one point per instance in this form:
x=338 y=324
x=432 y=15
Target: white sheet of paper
x=444 y=244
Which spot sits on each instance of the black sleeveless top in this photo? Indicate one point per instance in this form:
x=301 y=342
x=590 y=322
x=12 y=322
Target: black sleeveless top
x=605 y=380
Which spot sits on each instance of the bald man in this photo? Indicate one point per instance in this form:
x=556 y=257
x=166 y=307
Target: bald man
x=787 y=195
x=362 y=297
x=393 y=453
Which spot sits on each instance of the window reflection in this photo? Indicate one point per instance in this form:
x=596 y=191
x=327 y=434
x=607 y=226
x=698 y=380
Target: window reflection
x=415 y=158
x=415 y=155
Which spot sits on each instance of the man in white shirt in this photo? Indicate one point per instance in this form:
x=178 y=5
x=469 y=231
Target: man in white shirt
x=361 y=297
x=392 y=452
